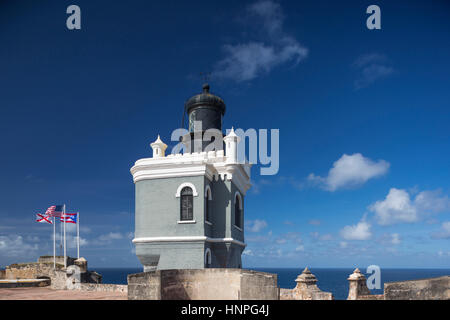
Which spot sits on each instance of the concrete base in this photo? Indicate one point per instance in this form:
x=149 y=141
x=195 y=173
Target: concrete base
x=203 y=284
x=24 y=283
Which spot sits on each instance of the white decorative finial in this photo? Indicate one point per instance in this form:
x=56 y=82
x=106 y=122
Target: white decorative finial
x=231 y=142
x=159 y=148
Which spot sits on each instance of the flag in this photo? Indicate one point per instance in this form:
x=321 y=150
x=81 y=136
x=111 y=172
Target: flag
x=54 y=211
x=69 y=218
x=42 y=218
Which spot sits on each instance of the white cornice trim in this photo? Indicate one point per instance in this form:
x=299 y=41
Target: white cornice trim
x=171 y=171
x=231 y=240
x=187 y=239
x=212 y=165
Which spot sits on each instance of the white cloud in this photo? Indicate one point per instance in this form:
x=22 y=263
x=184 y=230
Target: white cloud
x=321 y=237
x=389 y=239
x=371 y=67
x=246 y=61
x=300 y=248
x=15 y=246
x=430 y=202
x=443 y=253
x=110 y=236
x=398 y=207
x=343 y=244
x=360 y=231
x=258 y=239
x=395 y=238
x=444 y=233
x=292 y=237
x=71 y=240
x=315 y=222
x=350 y=170
x=255 y=225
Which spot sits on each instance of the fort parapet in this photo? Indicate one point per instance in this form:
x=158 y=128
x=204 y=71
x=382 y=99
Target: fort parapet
x=306 y=289
x=422 y=289
x=58 y=276
x=211 y=284
x=203 y=284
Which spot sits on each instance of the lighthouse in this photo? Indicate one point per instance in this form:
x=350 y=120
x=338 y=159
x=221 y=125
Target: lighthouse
x=189 y=209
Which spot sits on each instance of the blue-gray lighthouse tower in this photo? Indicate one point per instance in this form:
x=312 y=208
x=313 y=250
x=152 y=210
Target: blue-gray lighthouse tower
x=189 y=210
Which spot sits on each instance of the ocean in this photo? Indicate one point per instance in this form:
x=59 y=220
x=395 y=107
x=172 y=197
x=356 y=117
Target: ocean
x=329 y=279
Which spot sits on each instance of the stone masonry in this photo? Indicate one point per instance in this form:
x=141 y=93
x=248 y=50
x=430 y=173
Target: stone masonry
x=60 y=278
x=306 y=289
x=203 y=284
x=424 y=289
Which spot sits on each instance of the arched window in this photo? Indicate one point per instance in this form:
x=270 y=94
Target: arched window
x=237 y=210
x=207 y=258
x=208 y=199
x=187 y=204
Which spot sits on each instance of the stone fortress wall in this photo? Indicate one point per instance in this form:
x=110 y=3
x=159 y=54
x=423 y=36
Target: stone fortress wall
x=240 y=284
x=75 y=277
x=423 y=289
x=212 y=283
x=203 y=284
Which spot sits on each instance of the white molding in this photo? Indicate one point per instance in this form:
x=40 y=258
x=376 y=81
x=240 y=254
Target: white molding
x=240 y=229
x=187 y=239
x=237 y=193
x=186 y=222
x=206 y=192
x=155 y=171
x=211 y=164
x=231 y=240
x=186 y=184
x=169 y=239
x=207 y=261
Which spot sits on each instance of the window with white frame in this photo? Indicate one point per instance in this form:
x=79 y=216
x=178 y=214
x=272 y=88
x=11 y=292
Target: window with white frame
x=208 y=203
x=186 y=204
x=238 y=210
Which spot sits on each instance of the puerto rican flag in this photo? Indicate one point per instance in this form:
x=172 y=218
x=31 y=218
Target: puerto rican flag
x=69 y=217
x=43 y=218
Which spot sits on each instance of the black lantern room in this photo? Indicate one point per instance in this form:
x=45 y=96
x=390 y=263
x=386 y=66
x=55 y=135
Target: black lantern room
x=206 y=108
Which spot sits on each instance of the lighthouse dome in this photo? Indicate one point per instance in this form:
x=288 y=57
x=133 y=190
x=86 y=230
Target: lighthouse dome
x=205 y=99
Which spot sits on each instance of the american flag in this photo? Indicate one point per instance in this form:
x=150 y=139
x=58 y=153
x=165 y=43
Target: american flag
x=54 y=211
x=69 y=218
x=42 y=218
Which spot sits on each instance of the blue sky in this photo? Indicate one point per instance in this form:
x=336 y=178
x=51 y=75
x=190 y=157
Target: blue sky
x=363 y=119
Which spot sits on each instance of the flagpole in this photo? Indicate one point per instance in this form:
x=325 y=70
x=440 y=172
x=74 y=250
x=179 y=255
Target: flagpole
x=60 y=236
x=78 y=235
x=54 y=243
x=64 y=221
